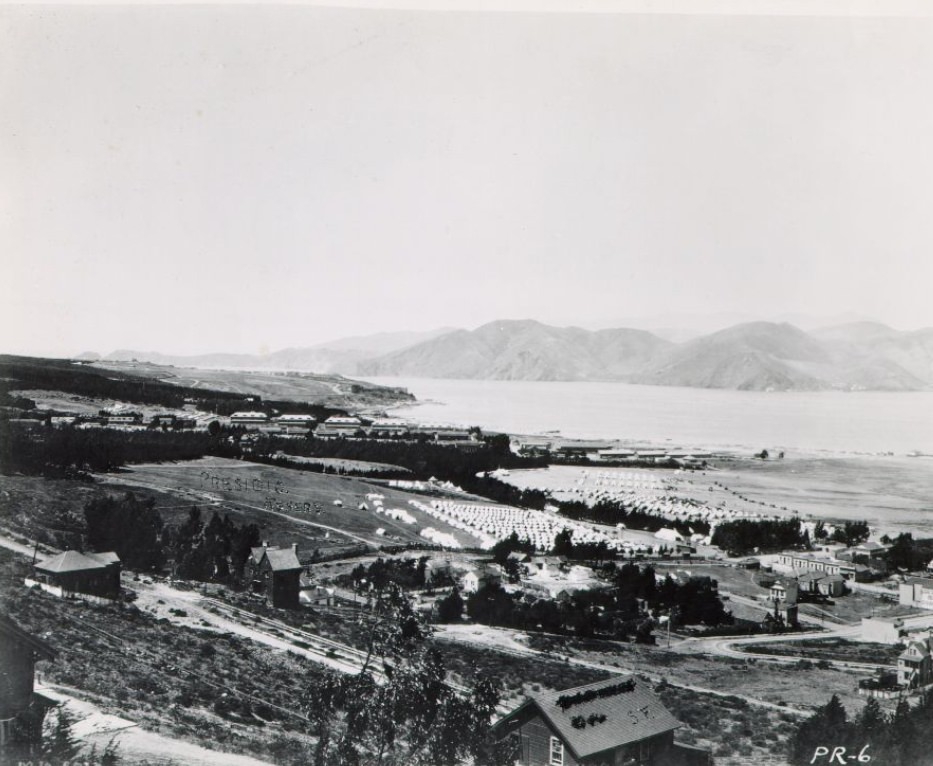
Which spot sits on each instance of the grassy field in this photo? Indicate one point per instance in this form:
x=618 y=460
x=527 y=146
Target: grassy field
x=356 y=466
x=834 y=649
x=50 y=511
x=302 y=510
x=804 y=686
x=262 y=493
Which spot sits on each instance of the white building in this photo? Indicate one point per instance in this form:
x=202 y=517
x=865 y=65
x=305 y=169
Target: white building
x=883 y=630
x=249 y=419
x=341 y=425
x=916 y=591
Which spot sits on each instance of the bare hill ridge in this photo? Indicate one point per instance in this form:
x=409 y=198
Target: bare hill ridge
x=753 y=356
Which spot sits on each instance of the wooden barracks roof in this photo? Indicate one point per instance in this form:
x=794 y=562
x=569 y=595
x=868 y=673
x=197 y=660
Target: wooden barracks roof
x=632 y=712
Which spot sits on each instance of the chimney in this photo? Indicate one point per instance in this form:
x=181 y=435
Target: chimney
x=295 y=548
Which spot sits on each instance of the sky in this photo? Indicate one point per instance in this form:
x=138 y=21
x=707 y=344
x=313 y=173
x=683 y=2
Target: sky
x=188 y=179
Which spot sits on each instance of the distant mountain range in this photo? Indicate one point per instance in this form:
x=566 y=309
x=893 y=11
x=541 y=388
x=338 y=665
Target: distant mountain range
x=332 y=357
x=754 y=356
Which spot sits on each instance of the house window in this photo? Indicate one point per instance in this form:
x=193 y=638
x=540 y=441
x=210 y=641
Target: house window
x=557 y=752
x=645 y=750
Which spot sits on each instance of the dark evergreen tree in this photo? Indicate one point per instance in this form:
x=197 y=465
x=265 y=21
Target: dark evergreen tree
x=450 y=608
x=828 y=725
x=131 y=527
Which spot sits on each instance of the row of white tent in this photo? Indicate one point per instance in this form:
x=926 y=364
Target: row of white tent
x=492 y=523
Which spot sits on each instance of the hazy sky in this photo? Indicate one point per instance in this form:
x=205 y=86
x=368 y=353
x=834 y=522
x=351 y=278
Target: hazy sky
x=243 y=178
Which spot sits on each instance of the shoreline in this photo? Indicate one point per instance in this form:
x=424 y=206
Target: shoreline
x=859 y=424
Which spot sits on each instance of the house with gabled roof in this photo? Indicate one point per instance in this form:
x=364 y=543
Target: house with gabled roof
x=22 y=710
x=275 y=573
x=79 y=575
x=915 y=663
x=619 y=721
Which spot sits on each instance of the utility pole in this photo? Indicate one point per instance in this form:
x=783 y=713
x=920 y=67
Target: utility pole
x=670 y=619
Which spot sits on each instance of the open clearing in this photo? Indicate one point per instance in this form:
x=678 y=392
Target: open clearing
x=306 y=501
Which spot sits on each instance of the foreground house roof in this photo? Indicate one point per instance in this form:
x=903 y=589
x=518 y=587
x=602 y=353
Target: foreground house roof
x=631 y=709
x=10 y=629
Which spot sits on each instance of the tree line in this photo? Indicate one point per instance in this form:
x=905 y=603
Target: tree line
x=212 y=551
x=743 y=536
x=901 y=738
x=635 y=517
x=72 y=452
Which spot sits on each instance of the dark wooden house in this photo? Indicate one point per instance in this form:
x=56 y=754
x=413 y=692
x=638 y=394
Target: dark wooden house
x=276 y=574
x=21 y=709
x=72 y=574
x=616 y=722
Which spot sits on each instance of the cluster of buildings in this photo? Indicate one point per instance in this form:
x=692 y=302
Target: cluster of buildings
x=542 y=576
x=605 y=452
x=822 y=574
x=270 y=572
x=860 y=563
x=553 y=576
x=350 y=426
x=127 y=420
x=286 y=425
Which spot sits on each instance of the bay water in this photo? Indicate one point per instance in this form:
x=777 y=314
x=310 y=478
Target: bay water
x=867 y=422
